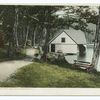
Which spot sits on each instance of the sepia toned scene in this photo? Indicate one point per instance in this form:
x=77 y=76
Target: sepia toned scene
x=49 y=46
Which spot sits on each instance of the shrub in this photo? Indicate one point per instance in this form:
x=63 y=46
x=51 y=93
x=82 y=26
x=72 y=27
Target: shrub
x=56 y=58
x=51 y=57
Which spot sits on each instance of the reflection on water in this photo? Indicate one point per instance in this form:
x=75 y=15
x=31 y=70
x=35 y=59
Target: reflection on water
x=87 y=57
x=70 y=58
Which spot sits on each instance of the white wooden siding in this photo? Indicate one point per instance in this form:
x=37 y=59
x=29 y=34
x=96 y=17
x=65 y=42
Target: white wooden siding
x=68 y=40
x=66 y=48
x=69 y=46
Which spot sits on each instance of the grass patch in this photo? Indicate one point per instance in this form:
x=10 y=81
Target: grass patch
x=50 y=75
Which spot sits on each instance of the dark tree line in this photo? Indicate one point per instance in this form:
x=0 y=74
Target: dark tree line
x=38 y=23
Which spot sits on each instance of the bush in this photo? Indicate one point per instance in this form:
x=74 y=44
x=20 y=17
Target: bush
x=51 y=57
x=29 y=43
x=56 y=58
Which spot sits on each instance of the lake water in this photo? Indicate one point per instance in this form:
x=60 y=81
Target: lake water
x=87 y=58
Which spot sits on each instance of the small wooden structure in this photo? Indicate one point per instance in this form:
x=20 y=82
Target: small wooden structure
x=83 y=65
x=67 y=41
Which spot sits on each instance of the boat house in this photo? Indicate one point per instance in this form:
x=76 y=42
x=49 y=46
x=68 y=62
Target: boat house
x=68 y=41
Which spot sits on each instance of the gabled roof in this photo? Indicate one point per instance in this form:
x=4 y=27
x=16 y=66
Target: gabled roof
x=76 y=35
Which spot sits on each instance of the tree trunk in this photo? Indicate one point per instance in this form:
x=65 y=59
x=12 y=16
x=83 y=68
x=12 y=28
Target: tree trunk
x=24 y=31
x=34 y=36
x=26 y=35
x=96 y=52
x=45 y=44
x=16 y=26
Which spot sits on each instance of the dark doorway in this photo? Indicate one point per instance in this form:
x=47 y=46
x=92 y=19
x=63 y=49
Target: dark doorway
x=82 y=49
x=52 y=47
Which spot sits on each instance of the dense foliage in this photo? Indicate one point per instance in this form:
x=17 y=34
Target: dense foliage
x=37 y=24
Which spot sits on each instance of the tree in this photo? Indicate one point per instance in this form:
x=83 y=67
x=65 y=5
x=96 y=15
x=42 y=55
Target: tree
x=1 y=39
x=15 y=28
x=96 y=49
x=46 y=19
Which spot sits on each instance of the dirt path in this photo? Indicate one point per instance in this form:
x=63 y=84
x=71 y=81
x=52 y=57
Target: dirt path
x=9 y=67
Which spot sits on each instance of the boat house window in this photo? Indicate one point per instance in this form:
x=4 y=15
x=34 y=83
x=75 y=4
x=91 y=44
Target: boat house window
x=63 y=40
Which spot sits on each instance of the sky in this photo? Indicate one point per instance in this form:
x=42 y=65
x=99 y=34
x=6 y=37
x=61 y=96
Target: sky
x=92 y=8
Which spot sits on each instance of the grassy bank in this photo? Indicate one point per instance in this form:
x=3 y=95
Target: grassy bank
x=50 y=75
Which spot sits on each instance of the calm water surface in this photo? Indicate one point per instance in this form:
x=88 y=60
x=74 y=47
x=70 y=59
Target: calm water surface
x=87 y=58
